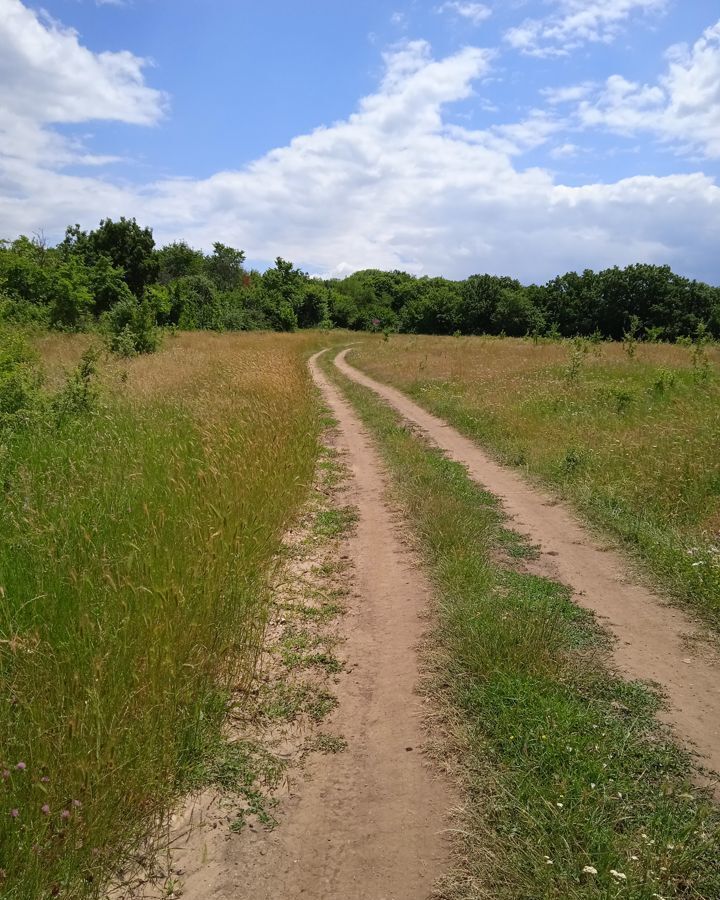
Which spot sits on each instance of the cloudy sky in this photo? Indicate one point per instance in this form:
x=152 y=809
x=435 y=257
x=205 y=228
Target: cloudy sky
x=526 y=137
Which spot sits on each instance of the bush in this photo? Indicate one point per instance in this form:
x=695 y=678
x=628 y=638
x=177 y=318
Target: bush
x=131 y=328
x=19 y=381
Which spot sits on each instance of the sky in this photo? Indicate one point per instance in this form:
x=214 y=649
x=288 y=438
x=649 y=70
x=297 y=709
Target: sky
x=440 y=137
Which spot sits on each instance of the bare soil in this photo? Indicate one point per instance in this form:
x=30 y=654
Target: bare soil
x=655 y=642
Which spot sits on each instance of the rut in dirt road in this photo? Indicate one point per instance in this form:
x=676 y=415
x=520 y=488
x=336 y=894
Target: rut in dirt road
x=367 y=824
x=652 y=637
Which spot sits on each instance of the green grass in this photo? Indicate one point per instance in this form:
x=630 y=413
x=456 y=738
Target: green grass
x=136 y=543
x=564 y=765
x=631 y=442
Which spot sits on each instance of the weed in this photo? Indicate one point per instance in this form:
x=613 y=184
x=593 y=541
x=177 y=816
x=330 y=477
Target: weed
x=334 y=522
x=328 y=743
x=579 y=348
x=631 y=336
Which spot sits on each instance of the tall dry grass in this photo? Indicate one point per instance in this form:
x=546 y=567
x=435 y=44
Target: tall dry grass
x=135 y=549
x=631 y=440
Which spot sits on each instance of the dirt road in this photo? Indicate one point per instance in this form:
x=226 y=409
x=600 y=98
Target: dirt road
x=655 y=641
x=368 y=822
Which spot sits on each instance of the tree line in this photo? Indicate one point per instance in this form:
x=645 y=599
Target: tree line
x=115 y=276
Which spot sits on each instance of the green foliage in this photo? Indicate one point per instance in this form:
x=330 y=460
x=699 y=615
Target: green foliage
x=177 y=260
x=19 y=380
x=225 y=267
x=80 y=393
x=128 y=247
x=108 y=285
x=189 y=289
x=131 y=328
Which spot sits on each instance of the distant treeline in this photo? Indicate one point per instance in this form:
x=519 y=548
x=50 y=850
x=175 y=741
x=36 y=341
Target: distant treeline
x=116 y=276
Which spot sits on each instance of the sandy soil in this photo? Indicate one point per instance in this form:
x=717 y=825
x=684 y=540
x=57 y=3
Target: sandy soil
x=367 y=822
x=655 y=642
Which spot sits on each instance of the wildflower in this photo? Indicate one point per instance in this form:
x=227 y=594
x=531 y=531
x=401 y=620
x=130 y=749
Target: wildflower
x=548 y=861
x=45 y=809
x=77 y=804
x=65 y=815
x=6 y=774
x=621 y=876
x=14 y=813
x=45 y=779
x=559 y=805
x=589 y=870
x=21 y=766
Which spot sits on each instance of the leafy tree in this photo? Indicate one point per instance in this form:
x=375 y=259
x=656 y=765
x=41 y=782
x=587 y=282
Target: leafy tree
x=177 y=260
x=69 y=297
x=515 y=315
x=480 y=296
x=225 y=267
x=128 y=246
x=107 y=285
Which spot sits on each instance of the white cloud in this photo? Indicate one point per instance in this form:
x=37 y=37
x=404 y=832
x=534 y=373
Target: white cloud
x=48 y=76
x=394 y=185
x=476 y=13
x=574 y=92
x=577 y=22
x=683 y=108
x=564 y=151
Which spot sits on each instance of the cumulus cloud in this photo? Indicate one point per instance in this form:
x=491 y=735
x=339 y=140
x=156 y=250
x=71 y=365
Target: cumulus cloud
x=396 y=185
x=476 y=13
x=683 y=108
x=577 y=22
x=48 y=76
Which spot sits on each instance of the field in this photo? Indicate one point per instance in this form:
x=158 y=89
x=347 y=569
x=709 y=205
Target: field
x=629 y=434
x=135 y=546
x=145 y=502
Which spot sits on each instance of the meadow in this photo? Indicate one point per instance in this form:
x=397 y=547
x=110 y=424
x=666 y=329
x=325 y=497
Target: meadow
x=628 y=432
x=143 y=506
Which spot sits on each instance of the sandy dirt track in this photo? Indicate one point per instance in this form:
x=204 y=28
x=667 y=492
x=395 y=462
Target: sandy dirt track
x=655 y=641
x=368 y=822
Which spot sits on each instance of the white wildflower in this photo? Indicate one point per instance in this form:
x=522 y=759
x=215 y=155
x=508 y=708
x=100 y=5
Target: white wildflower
x=621 y=876
x=589 y=870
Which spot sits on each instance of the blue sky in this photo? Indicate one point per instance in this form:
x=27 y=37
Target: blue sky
x=526 y=137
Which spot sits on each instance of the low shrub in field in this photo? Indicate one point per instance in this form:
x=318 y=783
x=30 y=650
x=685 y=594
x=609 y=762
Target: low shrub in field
x=130 y=327
x=19 y=380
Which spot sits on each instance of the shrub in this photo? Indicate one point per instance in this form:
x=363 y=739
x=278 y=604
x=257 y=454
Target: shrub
x=131 y=328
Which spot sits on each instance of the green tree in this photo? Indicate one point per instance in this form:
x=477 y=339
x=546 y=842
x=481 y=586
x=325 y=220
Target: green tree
x=128 y=247
x=178 y=260
x=225 y=267
x=107 y=285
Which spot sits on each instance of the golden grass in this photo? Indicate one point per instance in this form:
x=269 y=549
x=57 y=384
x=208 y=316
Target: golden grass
x=135 y=550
